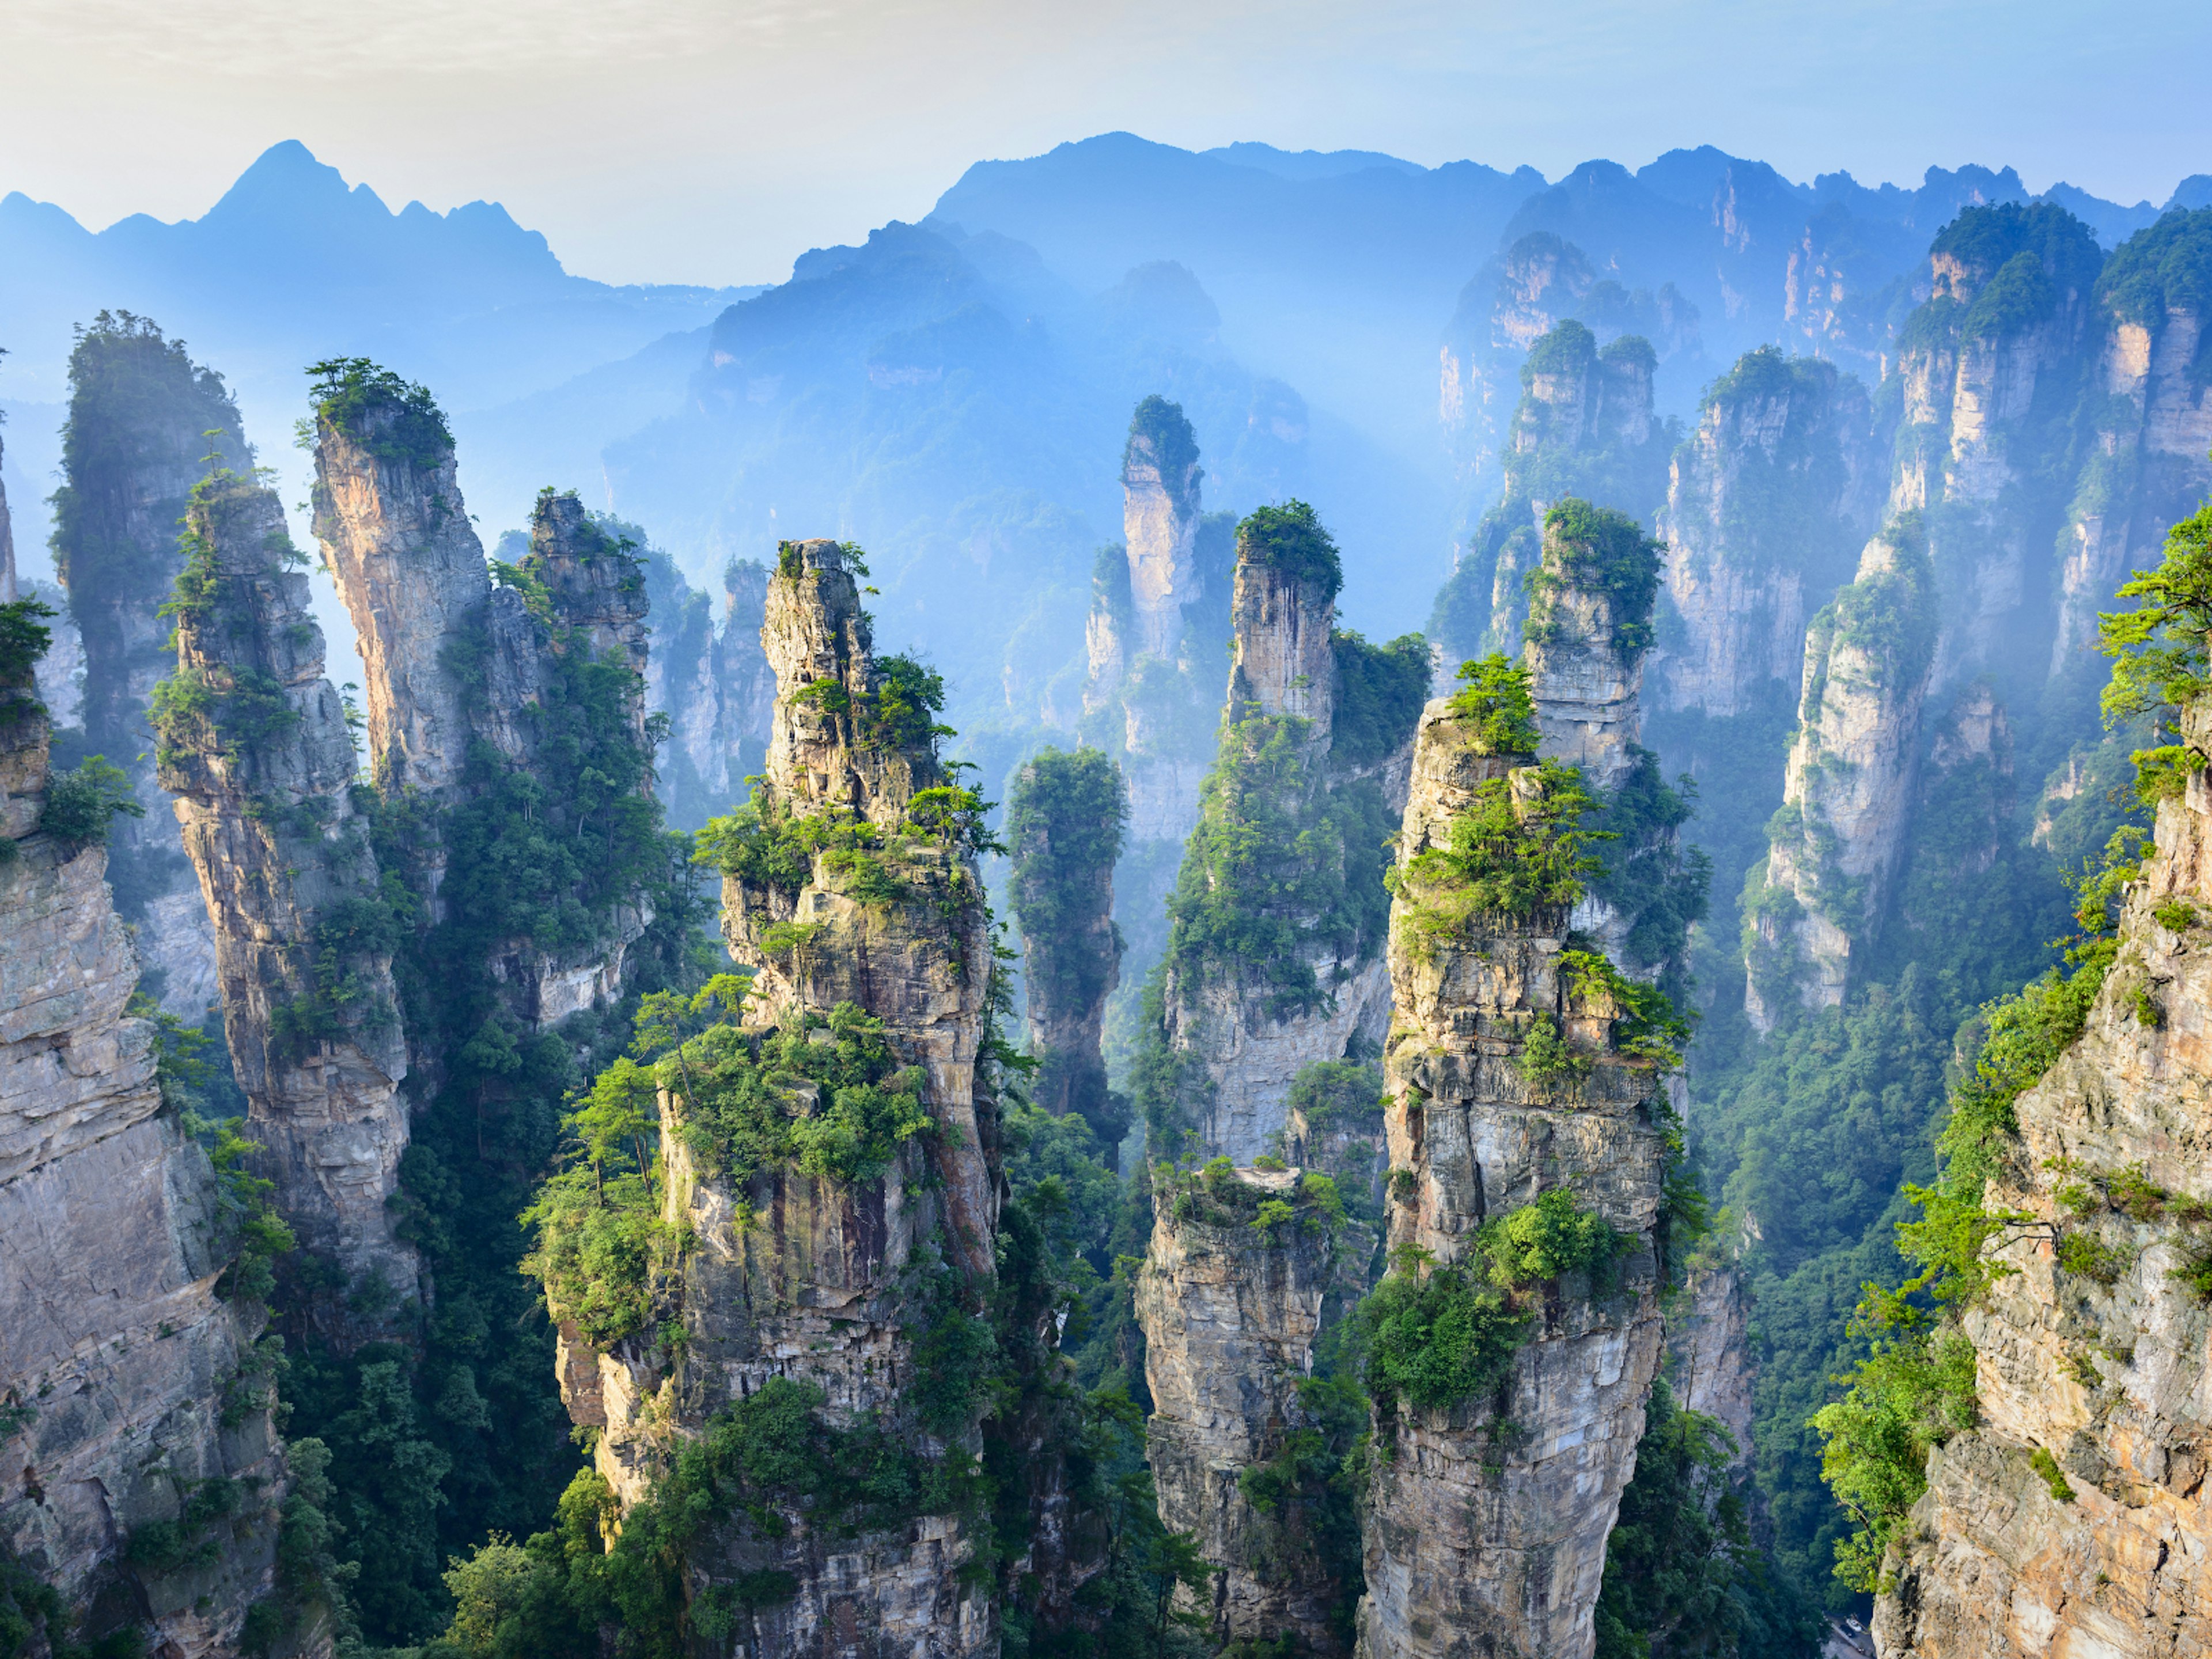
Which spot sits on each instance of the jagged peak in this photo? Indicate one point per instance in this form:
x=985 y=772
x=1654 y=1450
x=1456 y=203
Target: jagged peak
x=852 y=732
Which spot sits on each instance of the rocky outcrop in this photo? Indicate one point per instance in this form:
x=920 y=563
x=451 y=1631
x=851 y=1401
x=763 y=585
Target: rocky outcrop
x=255 y=749
x=1064 y=824
x=1251 y=1026
x=1231 y=1311
x=1767 y=503
x=145 y=424
x=1489 y=1517
x=815 y=1279
x=142 y=1472
x=1820 y=893
x=2091 y=1350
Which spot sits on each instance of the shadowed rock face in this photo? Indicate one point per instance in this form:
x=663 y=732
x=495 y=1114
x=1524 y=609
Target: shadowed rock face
x=262 y=789
x=1231 y=1316
x=809 y=1278
x=1846 y=796
x=110 y=1327
x=1489 y=1519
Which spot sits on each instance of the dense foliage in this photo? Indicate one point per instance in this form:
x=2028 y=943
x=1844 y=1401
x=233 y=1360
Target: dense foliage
x=1280 y=871
x=1597 y=551
x=1522 y=844
x=1380 y=690
x=394 y=419
x=1290 y=539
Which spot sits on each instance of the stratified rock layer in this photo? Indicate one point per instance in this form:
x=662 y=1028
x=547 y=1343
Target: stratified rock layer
x=263 y=776
x=2111 y=1379
x=1489 y=1520
x=111 y=1332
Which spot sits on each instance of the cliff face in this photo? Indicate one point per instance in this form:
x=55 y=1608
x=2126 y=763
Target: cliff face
x=1232 y=1312
x=1489 y=1517
x=1766 y=503
x=141 y=413
x=143 y=1410
x=823 y=1279
x=2093 y=1354
x=2151 y=431
x=256 y=751
x=1989 y=373
x=1832 y=857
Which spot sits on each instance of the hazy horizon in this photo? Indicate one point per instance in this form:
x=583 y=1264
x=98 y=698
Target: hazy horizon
x=682 y=144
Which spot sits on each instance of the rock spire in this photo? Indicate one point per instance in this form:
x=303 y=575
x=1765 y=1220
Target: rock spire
x=1520 y=1091
x=839 y=1275
x=256 y=751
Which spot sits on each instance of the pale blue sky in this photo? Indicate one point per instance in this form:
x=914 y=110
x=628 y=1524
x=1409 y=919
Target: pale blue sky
x=706 y=141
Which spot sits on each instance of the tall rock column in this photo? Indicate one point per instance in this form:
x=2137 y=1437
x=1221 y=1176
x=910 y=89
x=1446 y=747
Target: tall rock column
x=255 y=748
x=467 y=682
x=396 y=537
x=1160 y=477
x=842 y=1275
x=140 y=1475
x=1588 y=630
x=1516 y=1079
x=1834 y=848
x=1064 y=826
x=1231 y=1310
x=145 y=424
x=1274 y=954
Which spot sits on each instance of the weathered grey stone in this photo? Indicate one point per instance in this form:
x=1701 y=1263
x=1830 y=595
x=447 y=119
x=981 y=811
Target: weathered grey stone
x=111 y=1333
x=2114 y=1381
x=1490 y=1519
